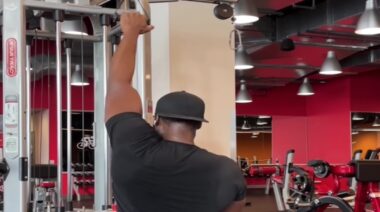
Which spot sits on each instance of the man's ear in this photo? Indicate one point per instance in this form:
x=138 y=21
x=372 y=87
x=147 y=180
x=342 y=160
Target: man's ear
x=156 y=121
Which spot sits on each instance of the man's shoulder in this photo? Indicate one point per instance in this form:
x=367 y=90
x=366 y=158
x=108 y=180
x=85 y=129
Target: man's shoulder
x=220 y=160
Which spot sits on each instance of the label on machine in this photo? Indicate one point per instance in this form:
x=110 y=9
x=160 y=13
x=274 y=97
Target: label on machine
x=11 y=128
x=11 y=52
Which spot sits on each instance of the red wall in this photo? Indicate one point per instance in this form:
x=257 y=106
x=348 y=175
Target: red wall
x=278 y=101
x=329 y=122
x=289 y=132
x=319 y=126
x=365 y=90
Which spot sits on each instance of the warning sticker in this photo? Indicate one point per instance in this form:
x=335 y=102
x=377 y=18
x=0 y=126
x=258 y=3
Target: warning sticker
x=11 y=52
x=11 y=145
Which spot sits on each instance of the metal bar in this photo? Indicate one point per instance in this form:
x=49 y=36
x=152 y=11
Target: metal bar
x=101 y=137
x=43 y=34
x=115 y=30
x=28 y=121
x=75 y=8
x=14 y=104
x=106 y=56
x=333 y=46
x=282 y=66
x=68 y=126
x=278 y=197
x=285 y=188
x=342 y=35
x=59 y=112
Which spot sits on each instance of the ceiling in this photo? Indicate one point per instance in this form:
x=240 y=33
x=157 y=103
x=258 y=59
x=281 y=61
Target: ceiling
x=316 y=27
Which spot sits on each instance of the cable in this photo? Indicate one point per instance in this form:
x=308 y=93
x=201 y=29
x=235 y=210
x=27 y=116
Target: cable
x=48 y=94
x=82 y=98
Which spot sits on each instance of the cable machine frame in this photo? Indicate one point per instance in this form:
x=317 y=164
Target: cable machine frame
x=16 y=96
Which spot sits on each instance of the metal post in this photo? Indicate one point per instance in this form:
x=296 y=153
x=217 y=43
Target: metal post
x=58 y=16
x=28 y=117
x=69 y=205
x=277 y=196
x=285 y=188
x=102 y=149
x=14 y=104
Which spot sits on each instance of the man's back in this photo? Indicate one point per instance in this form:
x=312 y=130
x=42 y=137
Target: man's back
x=151 y=174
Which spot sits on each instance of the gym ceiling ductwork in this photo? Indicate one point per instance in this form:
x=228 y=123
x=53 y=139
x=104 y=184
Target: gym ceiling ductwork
x=316 y=28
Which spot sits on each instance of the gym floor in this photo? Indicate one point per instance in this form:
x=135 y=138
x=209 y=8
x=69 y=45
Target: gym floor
x=257 y=201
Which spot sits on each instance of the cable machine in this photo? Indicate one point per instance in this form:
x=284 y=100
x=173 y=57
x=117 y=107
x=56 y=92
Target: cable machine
x=16 y=95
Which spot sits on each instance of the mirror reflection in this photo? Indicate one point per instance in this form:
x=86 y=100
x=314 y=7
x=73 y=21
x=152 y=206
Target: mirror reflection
x=365 y=129
x=254 y=139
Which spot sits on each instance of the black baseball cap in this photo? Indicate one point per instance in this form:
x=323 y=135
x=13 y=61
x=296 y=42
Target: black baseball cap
x=181 y=105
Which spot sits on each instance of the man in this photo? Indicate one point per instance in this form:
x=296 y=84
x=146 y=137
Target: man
x=159 y=168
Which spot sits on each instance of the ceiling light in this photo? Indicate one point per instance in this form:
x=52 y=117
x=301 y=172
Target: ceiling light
x=331 y=65
x=256 y=133
x=264 y=117
x=74 y=27
x=246 y=125
x=78 y=77
x=254 y=136
x=261 y=122
x=357 y=117
x=243 y=95
x=245 y=12
x=305 y=88
x=376 y=123
x=355 y=132
x=369 y=21
x=242 y=59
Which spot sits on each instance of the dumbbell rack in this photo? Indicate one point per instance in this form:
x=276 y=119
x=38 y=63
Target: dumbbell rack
x=83 y=176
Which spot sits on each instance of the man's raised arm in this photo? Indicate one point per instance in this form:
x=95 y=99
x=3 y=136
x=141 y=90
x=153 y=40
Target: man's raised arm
x=121 y=96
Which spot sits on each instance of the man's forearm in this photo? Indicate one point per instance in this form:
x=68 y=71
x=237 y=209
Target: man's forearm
x=123 y=61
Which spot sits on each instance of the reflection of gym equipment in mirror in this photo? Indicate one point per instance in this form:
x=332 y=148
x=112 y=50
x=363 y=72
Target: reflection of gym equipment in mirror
x=254 y=139
x=365 y=129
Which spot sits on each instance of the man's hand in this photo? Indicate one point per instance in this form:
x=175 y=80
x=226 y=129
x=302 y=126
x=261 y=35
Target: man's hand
x=134 y=23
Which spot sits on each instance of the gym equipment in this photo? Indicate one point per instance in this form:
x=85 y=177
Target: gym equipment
x=367 y=175
x=17 y=108
x=298 y=185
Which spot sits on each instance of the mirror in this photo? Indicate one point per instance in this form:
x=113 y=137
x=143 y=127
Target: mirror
x=254 y=139
x=365 y=129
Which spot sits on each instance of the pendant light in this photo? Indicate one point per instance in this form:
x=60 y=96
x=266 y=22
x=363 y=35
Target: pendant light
x=369 y=21
x=242 y=59
x=78 y=77
x=331 y=65
x=376 y=123
x=73 y=27
x=264 y=117
x=305 y=88
x=246 y=125
x=357 y=117
x=261 y=122
x=243 y=95
x=245 y=12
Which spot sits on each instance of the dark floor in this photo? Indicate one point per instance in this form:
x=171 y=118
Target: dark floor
x=258 y=201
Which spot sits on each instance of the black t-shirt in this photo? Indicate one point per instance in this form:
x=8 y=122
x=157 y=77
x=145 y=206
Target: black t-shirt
x=151 y=174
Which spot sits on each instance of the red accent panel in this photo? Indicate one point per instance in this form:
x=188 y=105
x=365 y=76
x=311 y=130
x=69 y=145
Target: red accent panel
x=329 y=122
x=289 y=132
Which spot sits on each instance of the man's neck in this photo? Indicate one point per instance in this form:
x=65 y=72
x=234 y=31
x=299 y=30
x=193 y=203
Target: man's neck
x=180 y=139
